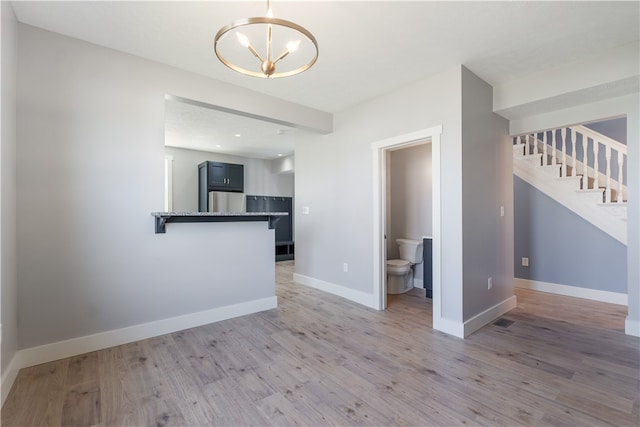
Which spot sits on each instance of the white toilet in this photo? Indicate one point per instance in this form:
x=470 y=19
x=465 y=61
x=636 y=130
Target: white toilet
x=400 y=271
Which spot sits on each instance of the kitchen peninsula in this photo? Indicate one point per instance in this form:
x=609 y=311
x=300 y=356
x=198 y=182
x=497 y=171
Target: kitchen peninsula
x=162 y=218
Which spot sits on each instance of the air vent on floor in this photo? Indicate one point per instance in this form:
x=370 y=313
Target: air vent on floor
x=503 y=323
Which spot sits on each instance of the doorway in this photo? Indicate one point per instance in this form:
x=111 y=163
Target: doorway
x=381 y=151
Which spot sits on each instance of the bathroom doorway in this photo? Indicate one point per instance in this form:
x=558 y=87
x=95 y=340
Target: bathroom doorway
x=408 y=219
x=381 y=156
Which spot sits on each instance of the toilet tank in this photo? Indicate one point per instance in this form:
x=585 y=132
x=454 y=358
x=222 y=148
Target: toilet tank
x=410 y=250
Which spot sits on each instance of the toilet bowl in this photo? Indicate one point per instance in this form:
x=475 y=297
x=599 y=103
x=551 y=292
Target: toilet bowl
x=399 y=276
x=399 y=271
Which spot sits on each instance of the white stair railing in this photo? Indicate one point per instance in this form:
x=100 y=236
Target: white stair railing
x=589 y=164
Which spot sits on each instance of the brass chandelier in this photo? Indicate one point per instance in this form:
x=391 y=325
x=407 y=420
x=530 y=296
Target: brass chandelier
x=279 y=35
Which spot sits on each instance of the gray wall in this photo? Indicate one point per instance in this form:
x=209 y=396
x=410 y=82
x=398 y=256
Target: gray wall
x=258 y=176
x=90 y=161
x=8 y=267
x=334 y=179
x=562 y=247
x=409 y=198
x=486 y=185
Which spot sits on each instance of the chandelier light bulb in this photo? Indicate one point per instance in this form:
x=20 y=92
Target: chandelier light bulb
x=293 y=46
x=243 y=40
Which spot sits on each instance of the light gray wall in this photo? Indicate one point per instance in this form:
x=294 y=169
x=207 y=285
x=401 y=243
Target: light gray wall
x=8 y=267
x=334 y=179
x=258 y=176
x=562 y=247
x=486 y=185
x=283 y=164
x=409 y=198
x=90 y=160
x=628 y=106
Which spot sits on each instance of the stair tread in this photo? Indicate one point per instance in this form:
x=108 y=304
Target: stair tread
x=613 y=205
x=591 y=190
x=566 y=178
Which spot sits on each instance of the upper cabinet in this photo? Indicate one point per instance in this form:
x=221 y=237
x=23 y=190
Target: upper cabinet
x=222 y=176
x=217 y=176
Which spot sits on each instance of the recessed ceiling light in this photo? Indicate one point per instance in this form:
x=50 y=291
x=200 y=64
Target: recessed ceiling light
x=279 y=155
x=238 y=135
x=218 y=146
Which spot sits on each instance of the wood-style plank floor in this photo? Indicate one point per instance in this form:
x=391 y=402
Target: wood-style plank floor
x=321 y=360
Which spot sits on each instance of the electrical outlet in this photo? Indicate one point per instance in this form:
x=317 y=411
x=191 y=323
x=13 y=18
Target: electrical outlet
x=501 y=210
x=305 y=210
x=345 y=267
x=525 y=261
x=490 y=283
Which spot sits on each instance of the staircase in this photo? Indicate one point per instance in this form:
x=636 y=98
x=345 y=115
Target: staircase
x=581 y=169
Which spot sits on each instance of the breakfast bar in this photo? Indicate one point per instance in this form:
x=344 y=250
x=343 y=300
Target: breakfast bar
x=162 y=218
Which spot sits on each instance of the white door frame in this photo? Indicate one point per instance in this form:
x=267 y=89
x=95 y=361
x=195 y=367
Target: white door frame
x=380 y=149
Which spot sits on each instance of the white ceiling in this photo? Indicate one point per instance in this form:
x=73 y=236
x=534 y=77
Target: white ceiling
x=200 y=128
x=367 y=48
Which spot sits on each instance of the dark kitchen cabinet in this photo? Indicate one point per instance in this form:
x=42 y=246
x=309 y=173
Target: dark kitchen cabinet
x=223 y=176
x=217 y=176
x=284 y=226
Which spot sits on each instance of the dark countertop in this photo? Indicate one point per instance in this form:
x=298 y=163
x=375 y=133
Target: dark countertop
x=162 y=218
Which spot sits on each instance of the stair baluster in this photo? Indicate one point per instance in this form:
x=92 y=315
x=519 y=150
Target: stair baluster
x=596 y=169
x=574 y=153
x=607 y=194
x=563 y=167
x=544 y=149
x=585 y=167
x=619 y=197
x=553 y=149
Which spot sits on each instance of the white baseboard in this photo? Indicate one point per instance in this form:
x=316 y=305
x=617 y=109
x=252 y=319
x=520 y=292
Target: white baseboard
x=572 y=291
x=632 y=327
x=449 y=326
x=75 y=346
x=341 y=291
x=9 y=376
x=489 y=315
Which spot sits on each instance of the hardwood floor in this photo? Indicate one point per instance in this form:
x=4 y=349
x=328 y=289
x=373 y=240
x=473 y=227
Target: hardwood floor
x=322 y=360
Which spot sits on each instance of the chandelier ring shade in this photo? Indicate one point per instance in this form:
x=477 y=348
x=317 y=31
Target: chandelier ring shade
x=266 y=21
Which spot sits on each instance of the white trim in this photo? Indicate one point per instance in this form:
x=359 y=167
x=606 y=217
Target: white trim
x=572 y=291
x=436 y=230
x=632 y=327
x=75 y=346
x=168 y=183
x=9 y=376
x=448 y=326
x=354 y=295
x=489 y=315
x=379 y=194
